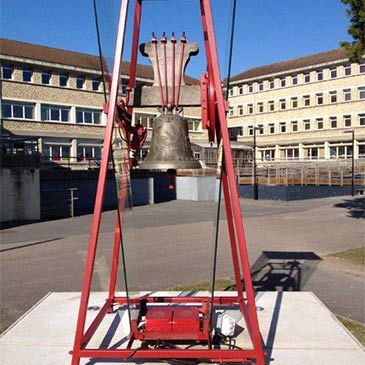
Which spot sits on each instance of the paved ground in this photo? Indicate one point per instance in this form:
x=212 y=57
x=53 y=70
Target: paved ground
x=287 y=241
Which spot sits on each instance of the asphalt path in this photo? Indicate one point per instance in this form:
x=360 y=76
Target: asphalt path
x=171 y=244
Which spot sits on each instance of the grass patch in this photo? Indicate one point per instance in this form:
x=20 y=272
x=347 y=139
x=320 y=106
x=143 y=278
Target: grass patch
x=220 y=284
x=354 y=256
x=356 y=328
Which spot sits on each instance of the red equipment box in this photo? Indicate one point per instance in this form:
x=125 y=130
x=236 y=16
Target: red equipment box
x=186 y=319
x=159 y=319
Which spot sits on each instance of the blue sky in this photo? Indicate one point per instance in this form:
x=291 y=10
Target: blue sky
x=267 y=31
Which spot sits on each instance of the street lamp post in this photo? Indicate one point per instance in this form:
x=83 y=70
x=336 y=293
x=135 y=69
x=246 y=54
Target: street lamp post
x=255 y=182
x=352 y=161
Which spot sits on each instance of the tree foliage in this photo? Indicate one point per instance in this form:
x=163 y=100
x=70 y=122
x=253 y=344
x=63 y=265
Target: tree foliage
x=356 y=13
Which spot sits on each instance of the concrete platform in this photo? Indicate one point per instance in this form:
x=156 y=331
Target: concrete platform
x=296 y=327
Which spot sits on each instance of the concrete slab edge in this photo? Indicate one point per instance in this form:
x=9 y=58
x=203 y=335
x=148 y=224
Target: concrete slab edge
x=25 y=314
x=339 y=322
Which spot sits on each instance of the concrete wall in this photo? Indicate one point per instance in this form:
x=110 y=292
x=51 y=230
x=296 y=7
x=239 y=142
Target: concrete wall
x=196 y=188
x=295 y=192
x=20 y=197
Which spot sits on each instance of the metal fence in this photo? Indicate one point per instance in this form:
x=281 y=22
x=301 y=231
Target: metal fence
x=330 y=173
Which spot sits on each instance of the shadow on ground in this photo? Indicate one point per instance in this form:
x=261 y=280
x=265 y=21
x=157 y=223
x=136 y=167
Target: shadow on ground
x=282 y=270
x=355 y=207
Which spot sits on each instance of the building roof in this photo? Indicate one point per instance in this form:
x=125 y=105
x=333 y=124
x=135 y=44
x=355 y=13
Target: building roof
x=36 y=52
x=292 y=64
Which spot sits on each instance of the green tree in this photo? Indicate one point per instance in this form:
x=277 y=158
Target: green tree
x=356 y=13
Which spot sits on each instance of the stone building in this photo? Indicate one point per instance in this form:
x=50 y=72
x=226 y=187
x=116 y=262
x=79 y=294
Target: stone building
x=301 y=109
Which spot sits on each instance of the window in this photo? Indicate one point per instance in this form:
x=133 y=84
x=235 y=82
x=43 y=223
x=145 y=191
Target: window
x=291 y=153
x=282 y=104
x=260 y=129
x=56 y=113
x=320 y=75
x=64 y=80
x=230 y=91
x=347 y=70
x=294 y=102
x=18 y=110
x=250 y=88
x=271 y=128
x=306 y=124
x=260 y=107
x=333 y=96
x=361 y=92
x=346 y=94
x=46 y=77
x=80 y=81
x=283 y=81
x=231 y=112
x=312 y=153
x=194 y=124
x=7 y=73
x=362 y=68
x=333 y=73
x=268 y=155
x=234 y=132
x=250 y=130
x=271 y=106
x=88 y=116
x=27 y=74
x=271 y=83
x=319 y=98
x=56 y=150
x=347 y=120
x=282 y=127
x=307 y=78
x=87 y=152
x=261 y=86
x=294 y=126
x=240 y=89
x=306 y=100
x=333 y=122
x=250 y=108
x=319 y=122
x=294 y=80
x=240 y=110
x=361 y=119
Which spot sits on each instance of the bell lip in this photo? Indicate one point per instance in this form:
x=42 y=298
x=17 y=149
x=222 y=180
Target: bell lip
x=173 y=165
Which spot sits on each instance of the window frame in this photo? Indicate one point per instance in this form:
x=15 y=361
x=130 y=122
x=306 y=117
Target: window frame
x=347 y=95
x=48 y=112
x=27 y=71
x=46 y=77
x=333 y=72
x=333 y=96
x=7 y=71
x=90 y=111
x=80 y=81
x=16 y=106
x=63 y=79
x=319 y=99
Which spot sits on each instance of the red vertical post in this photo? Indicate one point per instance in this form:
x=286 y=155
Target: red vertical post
x=99 y=199
x=134 y=52
x=231 y=186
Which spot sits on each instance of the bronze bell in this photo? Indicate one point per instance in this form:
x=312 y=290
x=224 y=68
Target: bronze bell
x=170 y=145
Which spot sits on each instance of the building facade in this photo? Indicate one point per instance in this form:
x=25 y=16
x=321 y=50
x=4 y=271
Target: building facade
x=56 y=97
x=303 y=109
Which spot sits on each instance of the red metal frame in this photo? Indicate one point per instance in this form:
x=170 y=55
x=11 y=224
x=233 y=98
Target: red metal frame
x=215 y=110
